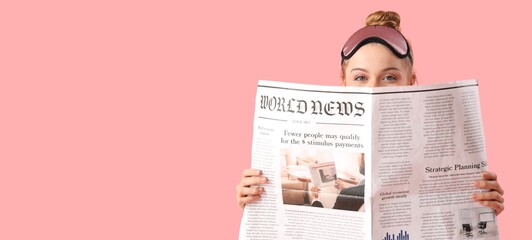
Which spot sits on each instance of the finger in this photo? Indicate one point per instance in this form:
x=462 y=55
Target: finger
x=491 y=185
x=488 y=196
x=487 y=175
x=246 y=200
x=250 y=191
x=251 y=172
x=496 y=206
x=249 y=181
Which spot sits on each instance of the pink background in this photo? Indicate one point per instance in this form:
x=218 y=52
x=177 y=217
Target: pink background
x=133 y=119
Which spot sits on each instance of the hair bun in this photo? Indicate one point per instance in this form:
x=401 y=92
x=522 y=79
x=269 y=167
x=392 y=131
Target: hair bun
x=384 y=18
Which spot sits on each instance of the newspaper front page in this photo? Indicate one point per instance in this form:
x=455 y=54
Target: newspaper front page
x=368 y=163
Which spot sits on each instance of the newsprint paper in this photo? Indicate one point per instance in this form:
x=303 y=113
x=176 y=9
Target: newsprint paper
x=368 y=163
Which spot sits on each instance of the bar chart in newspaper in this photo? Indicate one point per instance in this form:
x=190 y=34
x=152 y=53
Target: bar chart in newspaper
x=400 y=236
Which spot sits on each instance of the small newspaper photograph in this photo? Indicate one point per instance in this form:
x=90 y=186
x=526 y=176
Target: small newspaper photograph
x=368 y=163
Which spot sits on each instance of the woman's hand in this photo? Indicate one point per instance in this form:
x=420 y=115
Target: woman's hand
x=247 y=190
x=493 y=198
x=342 y=183
x=314 y=193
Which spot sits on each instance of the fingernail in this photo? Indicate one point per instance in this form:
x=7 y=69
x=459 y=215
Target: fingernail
x=260 y=172
x=264 y=180
x=476 y=183
x=474 y=196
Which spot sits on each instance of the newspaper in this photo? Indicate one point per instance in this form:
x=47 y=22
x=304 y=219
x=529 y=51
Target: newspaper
x=368 y=163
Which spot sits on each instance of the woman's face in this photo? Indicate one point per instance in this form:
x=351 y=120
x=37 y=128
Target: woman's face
x=374 y=65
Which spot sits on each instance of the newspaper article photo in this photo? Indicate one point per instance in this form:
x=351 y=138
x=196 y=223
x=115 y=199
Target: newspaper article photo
x=322 y=178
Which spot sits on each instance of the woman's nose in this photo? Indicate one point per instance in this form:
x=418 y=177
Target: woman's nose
x=372 y=83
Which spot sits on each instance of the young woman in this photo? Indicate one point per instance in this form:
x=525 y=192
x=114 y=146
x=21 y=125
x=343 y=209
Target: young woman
x=375 y=56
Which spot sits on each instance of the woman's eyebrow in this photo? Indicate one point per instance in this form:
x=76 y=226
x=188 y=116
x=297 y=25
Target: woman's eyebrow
x=390 y=68
x=383 y=70
x=359 y=69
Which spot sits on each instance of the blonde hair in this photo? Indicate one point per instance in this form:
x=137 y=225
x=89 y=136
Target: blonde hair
x=383 y=18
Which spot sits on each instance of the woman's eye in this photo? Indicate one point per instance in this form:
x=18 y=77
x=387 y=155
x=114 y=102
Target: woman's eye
x=360 y=78
x=389 y=78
